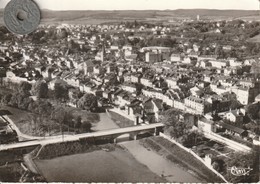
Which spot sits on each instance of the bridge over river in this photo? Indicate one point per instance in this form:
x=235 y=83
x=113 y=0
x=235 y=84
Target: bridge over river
x=113 y=133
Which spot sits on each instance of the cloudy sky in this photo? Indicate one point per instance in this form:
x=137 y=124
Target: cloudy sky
x=142 y=4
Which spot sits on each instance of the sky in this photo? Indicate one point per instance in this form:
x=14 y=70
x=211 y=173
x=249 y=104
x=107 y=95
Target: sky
x=143 y=4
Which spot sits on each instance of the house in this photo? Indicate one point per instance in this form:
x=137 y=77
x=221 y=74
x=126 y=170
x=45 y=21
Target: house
x=196 y=47
x=196 y=91
x=146 y=82
x=114 y=47
x=156 y=49
x=233 y=130
x=247 y=83
x=136 y=78
x=234 y=63
x=256 y=141
x=127 y=47
x=152 y=93
x=219 y=103
x=206 y=125
x=219 y=89
x=131 y=57
x=257 y=98
x=235 y=116
x=178 y=104
x=187 y=60
x=129 y=87
x=72 y=80
x=97 y=70
x=218 y=63
x=56 y=81
x=157 y=108
x=172 y=83
x=151 y=110
x=176 y=58
x=135 y=112
x=198 y=105
x=245 y=95
x=108 y=95
x=203 y=64
x=168 y=99
x=207 y=57
x=111 y=68
x=227 y=47
x=127 y=78
x=152 y=57
x=193 y=55
x=3 y=48
x=208 y=78
x=218 y=30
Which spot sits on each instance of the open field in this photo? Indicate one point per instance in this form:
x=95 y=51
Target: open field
x=99 y=16
x=145 y=14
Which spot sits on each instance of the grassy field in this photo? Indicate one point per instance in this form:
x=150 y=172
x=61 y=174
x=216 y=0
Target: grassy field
x=144 y=14
x=99 y=16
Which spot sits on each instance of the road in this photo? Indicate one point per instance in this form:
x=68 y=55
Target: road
x=21 y=136
x=68 y=138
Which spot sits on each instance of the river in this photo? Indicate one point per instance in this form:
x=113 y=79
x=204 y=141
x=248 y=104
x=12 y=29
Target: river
x=98 y=166
x=134 y=163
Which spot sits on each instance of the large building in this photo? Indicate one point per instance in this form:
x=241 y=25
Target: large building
x=200 y=106
x=153 y=57
x=246 y=95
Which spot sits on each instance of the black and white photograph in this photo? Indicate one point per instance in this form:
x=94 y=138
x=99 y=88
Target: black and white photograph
x=130 y=91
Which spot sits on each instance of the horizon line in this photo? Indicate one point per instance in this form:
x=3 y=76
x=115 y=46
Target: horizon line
x=149 y=9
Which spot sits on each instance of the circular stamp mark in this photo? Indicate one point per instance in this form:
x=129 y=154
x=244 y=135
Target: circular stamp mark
x=22 y=16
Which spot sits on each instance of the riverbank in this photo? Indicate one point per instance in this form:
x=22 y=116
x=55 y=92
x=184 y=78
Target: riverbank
x=176 y=155
x=171 y=171
x=11 y=169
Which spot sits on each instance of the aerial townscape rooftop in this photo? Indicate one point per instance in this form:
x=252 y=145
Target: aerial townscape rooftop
x=127 y=96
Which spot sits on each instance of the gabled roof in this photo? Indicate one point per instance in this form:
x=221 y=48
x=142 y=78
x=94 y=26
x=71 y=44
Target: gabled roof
x=148 y=105
x=233 y=128
x=158 y=103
